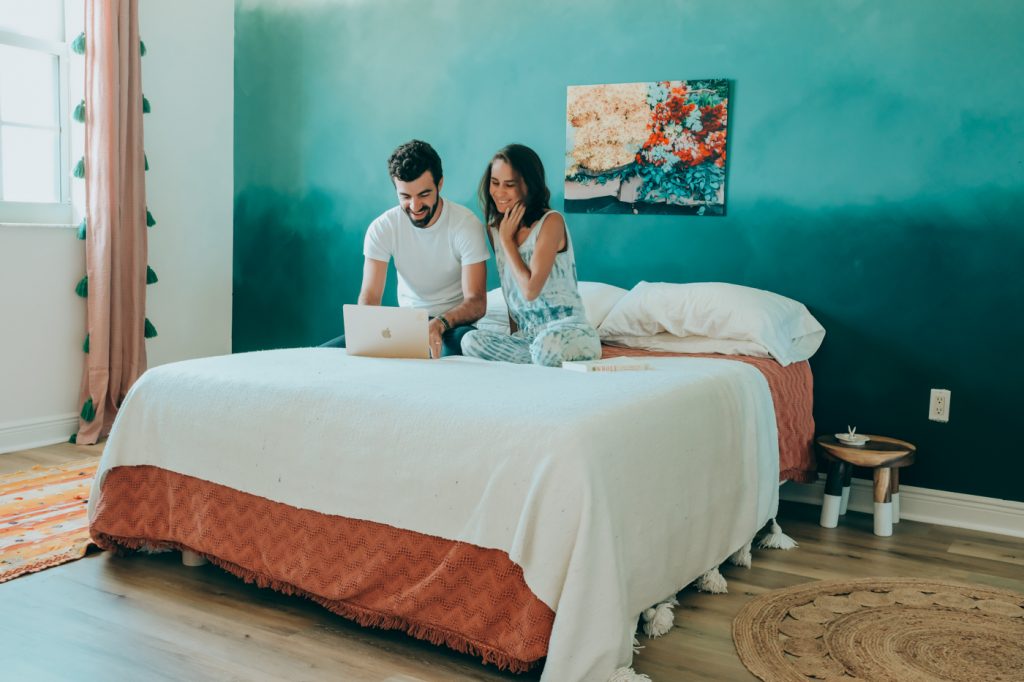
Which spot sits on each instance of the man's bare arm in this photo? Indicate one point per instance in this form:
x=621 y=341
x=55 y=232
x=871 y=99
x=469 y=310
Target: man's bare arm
x=474 y=296
x=375 y=273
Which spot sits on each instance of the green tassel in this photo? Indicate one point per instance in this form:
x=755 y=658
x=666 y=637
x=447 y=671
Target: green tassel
x=80 y=168
x=150 y=330
x=79 y=114
x=142 y=49
x=81 y=229
x=88 y=411
x=150 y=220
x=150 y=276
x=85 y=346
x=73 y=439
x=79 y=44
x=145 y=105
x=83 y=287
x=145 y=160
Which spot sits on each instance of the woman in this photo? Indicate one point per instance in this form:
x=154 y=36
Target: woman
x=537 y=269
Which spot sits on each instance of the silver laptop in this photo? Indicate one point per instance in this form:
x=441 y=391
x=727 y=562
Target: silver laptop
x=386 y=332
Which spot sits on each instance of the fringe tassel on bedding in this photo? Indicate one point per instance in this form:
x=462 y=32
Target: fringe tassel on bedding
x=712 y=582
x=776 y=539
x=742 y=556
x=363 y=616
x=659 y=619
x=627 y=675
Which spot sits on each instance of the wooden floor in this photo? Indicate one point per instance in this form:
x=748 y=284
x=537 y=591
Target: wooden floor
x=147 y=617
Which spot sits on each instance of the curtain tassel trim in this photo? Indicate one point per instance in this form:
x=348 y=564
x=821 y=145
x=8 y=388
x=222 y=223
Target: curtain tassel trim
x=82 y=289
x=150 y=220
x=145 y=105
x=142 y=49
x=150 y=330
x=79 y=114
x=151 y=277
x=78 y=45
x=88 y=411
x=81 y=229
x=80 y=168
x=85 y=344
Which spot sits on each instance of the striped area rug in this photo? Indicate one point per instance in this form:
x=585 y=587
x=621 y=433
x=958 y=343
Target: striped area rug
x=42 y=517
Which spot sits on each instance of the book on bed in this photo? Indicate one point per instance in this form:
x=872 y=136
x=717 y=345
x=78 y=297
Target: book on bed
x=609 y=365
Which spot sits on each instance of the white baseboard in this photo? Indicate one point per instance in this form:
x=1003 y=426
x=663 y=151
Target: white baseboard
x=35 y=433
x=988 y=514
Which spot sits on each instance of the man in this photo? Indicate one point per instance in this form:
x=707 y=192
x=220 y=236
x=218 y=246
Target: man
x=439 y=250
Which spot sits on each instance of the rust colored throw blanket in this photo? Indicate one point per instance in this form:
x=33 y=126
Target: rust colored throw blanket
x=792 y=389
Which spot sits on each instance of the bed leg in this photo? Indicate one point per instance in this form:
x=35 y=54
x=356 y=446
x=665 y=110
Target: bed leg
x=192 y=559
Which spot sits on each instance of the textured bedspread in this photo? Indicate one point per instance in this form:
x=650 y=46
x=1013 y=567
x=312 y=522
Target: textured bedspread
x=610 y=490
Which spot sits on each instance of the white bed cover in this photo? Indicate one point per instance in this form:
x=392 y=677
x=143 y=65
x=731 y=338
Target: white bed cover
x=612 y=490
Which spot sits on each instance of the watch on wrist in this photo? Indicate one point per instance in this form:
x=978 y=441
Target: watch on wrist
x=445 y=322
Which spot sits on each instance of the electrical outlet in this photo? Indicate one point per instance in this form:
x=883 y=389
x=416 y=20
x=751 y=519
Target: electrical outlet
x=938 y=405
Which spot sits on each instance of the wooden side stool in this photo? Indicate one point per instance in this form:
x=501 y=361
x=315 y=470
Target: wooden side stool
x=886 y=456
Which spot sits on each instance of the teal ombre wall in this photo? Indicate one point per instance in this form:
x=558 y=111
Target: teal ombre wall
x=875 y=174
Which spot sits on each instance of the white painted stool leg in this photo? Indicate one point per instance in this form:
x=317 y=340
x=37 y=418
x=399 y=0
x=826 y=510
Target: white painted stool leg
x=190 y=558
x=833 y=495
x=830 y=511
x=847 y=479
x=883 y=501
x=883 y=519
x=894 y=487
x=844 y=500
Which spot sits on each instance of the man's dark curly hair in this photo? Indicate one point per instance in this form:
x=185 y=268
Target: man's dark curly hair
x=409 y=161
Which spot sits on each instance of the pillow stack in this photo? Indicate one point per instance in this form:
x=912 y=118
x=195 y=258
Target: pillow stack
x=713 y=317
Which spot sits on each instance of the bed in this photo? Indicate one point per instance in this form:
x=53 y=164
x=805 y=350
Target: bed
x=522 y=514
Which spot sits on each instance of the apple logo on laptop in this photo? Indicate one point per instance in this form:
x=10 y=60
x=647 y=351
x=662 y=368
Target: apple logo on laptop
x=386 y=333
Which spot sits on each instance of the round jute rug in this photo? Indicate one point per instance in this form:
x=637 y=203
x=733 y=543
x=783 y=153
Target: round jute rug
x=879 y=629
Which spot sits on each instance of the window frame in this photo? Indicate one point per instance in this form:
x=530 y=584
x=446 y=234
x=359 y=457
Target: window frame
x=61 y=212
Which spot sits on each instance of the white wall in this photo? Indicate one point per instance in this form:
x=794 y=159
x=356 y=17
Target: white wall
x=188 y=76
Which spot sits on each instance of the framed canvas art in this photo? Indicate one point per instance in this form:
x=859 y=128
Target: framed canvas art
x=647 y=147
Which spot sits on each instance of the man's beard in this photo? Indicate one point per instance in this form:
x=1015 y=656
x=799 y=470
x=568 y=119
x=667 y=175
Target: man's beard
x=423 y=222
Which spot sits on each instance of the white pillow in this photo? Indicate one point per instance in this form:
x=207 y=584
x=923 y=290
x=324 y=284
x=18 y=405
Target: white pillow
x=689 y=344
x=780 y=325
x=598 y=299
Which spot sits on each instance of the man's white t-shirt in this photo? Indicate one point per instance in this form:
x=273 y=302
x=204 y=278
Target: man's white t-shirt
x=429 y=260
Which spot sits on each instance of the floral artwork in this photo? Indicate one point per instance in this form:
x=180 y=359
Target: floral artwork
x=647 y=147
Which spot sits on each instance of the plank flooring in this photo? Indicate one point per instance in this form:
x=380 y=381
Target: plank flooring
x=147 y=617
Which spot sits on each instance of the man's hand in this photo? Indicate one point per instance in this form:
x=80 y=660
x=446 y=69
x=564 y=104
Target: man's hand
x=510 y=222
x=434 y=331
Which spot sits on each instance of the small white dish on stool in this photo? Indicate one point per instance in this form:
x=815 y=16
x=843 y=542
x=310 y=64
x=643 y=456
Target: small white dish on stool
x=851 y=437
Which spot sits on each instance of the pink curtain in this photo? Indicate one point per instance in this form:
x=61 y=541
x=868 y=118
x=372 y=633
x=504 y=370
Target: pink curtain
x=115 y=207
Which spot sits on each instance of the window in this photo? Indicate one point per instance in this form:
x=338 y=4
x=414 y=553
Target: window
x=35 y=117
